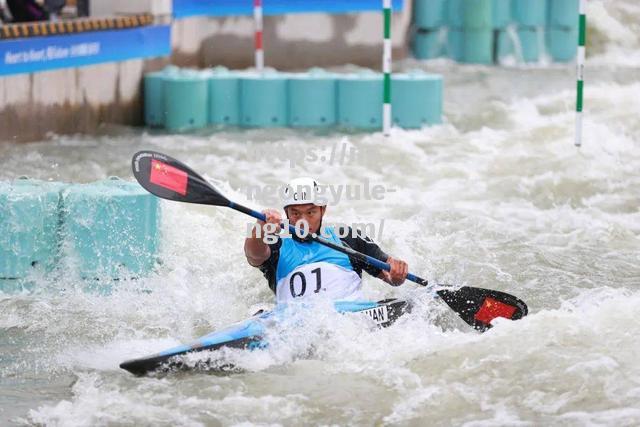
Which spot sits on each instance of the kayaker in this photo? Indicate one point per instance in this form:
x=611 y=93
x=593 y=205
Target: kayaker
x=298 y=268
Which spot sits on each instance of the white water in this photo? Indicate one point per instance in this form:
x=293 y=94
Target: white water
x=498 y=197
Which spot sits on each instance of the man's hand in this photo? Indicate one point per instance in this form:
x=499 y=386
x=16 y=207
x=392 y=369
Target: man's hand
x=255 y=248
x=398 y=272
x=273 y=217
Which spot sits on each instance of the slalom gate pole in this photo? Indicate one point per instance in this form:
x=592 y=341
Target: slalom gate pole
x=259 y=51
x=386 y=69
x=582 y=33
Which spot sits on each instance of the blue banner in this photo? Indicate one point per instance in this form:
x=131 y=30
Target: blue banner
x=28 y=55
x=184 y=8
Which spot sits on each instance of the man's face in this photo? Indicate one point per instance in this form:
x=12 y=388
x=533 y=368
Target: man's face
x=308 y=212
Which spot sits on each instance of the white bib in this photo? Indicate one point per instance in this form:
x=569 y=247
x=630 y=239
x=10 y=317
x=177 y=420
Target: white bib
x=319 y=279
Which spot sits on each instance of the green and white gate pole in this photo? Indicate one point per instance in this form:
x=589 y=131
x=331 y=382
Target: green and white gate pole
x=582 y=33
x=386 y=69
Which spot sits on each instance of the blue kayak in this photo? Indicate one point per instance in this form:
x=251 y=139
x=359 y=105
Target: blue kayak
x=249 y=334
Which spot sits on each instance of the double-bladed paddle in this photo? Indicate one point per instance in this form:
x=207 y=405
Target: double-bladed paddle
x=171 y=179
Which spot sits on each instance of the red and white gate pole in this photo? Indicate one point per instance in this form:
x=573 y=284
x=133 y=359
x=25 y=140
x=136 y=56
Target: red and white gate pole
x=257 y=17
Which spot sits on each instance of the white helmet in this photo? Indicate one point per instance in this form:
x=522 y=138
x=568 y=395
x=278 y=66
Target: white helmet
x=303 y=190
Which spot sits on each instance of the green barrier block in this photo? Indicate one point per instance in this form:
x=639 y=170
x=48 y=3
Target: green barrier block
x=154 y=99
x=321 y=88
x=416 y=99
x=111 y=229
x=360 y=101
x=563 y=13
x=428 y=13
x=153 y=87
x=530 y=13
x=469 y=14
x=16 y=286
x=478 y=46
x=186 y=100
x=263 y=100
x=471 y=46
x=29 y=227
x=530 y=44
x=455 y=44
x=454 y=13
x=501 y=13
x=477 y=14
x=224 y=97
x=429 y=44
x=562 y=43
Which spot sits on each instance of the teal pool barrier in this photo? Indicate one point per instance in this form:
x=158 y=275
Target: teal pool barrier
x=29 y=227
x=453 y=13
x=563 y=13
x=538 y=25
x=477 y=46
x=469 y=14
x=529 y=13
x=316 y=98
x=529 y=43
x=561 y=43
x=153 y=96
x=500 y=14
x=562 y=31
x=263 y=100
x=154 y=99
x=429 y=13
x=471 y=46
x=359 y=101
x=477 y=14
x=455 y=44
x=104 y=230
x=186 y=100
x=429 y=43
x=224 y=97
x=416 y=99
x=110 y=229
x=321 y=89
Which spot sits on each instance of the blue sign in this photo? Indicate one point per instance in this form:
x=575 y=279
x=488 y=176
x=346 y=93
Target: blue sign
x=184 y=8
x=28 y=55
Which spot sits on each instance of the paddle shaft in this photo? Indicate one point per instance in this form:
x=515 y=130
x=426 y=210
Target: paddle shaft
x=344 y=249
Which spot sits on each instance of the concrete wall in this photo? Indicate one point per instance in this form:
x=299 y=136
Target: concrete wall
x=80 y=100
x=291 y=41
x=74 y=100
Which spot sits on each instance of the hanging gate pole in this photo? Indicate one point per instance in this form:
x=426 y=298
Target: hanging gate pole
x=582 y=32
x=386 y=69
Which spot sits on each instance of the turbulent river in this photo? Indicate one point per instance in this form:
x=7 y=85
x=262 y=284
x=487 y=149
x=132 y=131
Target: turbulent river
x=497 y=197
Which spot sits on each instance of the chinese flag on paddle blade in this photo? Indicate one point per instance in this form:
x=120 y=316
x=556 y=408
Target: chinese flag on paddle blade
x=491 y=309
x=168 y=177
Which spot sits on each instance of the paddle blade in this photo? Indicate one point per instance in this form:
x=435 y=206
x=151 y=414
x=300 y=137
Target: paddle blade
x=478 y=307
x=171 y=179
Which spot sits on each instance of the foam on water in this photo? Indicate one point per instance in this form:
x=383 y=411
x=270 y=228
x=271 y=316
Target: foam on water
x=497 y=197
x=555 y=366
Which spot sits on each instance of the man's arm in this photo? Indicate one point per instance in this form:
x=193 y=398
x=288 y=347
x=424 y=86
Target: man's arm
x=255 y=249
x=362 y=243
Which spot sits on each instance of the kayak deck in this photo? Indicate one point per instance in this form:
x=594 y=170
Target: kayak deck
x=249 y=334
